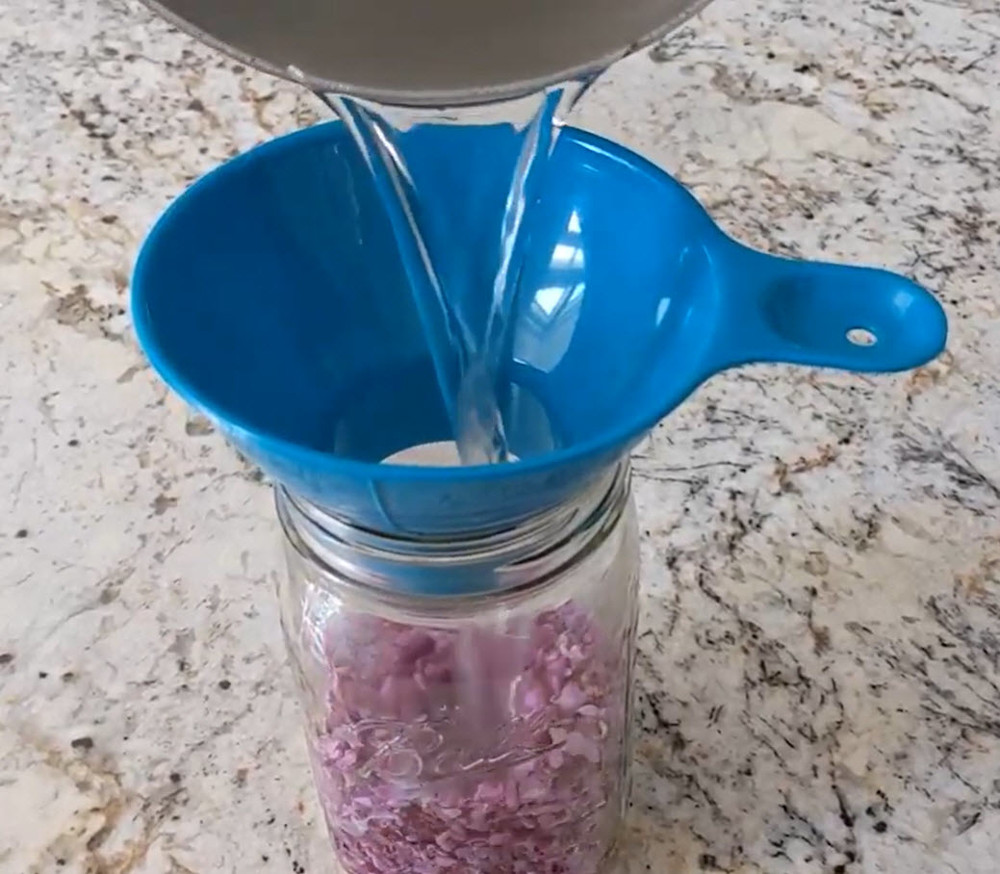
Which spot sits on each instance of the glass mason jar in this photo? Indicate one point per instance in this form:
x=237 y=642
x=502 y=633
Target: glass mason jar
x=469 y=700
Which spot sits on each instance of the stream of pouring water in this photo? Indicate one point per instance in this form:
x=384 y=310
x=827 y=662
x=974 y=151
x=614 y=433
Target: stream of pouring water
x=468 y=351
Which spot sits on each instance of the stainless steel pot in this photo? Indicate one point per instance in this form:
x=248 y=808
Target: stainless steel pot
x=428 y=52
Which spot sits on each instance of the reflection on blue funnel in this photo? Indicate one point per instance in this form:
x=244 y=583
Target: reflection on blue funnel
x=270 y=297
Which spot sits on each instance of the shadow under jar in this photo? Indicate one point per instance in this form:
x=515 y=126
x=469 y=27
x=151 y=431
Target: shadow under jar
x=468 y=700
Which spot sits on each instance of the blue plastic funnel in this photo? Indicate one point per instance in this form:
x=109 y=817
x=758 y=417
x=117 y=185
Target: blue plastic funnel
x=271 y=297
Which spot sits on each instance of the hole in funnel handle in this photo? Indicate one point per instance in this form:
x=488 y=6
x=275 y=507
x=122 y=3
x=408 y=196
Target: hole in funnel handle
x=861 y=337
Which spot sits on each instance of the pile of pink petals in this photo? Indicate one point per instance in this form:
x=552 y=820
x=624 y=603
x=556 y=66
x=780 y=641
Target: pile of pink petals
x=472 y=750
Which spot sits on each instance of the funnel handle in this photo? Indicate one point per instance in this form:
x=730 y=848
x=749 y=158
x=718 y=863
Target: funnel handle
x=822 y=315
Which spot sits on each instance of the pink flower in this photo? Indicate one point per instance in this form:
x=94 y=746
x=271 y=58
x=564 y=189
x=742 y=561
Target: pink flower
x=472 y=749
x=571 y=698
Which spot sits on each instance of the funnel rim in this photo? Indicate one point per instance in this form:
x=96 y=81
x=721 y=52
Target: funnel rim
x=617 y=439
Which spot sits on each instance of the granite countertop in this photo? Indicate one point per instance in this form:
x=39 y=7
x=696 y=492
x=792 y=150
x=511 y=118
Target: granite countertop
x=820 y=634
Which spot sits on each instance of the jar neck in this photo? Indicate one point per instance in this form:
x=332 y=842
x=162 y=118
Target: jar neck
x=522 y=555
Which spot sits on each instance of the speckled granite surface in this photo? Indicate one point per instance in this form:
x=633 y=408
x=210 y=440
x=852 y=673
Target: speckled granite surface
x=821 y=624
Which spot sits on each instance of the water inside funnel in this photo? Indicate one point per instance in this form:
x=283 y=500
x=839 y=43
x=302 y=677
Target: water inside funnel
x=440 y=453
x=466 y=304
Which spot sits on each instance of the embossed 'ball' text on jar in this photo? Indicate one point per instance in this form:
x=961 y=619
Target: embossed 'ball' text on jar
x=468 y=700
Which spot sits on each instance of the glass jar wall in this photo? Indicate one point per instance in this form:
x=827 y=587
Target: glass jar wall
x=468 y=702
